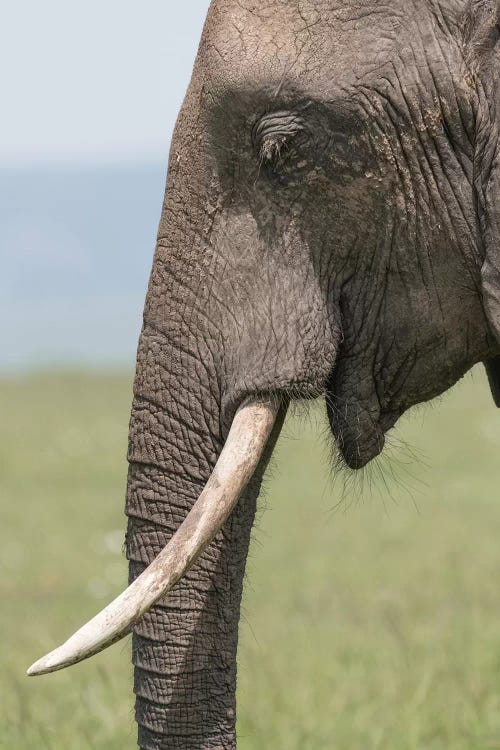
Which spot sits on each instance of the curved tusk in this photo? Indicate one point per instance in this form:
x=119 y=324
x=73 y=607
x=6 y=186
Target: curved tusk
x=250 y=431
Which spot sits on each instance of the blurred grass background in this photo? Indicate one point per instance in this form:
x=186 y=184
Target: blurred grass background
x=372 y=606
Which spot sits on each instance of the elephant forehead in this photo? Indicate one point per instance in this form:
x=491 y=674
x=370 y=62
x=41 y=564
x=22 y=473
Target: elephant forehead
x=305 y=40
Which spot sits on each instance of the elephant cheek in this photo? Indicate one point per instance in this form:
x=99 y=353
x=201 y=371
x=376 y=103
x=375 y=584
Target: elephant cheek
x=294 y=357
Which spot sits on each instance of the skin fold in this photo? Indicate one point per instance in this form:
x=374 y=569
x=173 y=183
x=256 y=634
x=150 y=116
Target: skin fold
x=329 y=228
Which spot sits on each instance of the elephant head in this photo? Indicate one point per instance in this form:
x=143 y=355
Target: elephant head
x=331 y=226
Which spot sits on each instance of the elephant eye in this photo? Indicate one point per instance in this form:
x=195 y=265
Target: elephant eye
x=273 y=134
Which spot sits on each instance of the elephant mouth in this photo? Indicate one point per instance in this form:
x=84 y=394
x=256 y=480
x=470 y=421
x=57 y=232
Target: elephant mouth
x=359 y=437
x=250 y=432
x=358 y=424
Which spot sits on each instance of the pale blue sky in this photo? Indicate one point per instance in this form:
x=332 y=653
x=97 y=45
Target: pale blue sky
x=94 y=81
x=89 y=94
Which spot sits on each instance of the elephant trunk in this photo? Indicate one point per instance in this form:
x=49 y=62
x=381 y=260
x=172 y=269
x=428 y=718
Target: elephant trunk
x=184 y=648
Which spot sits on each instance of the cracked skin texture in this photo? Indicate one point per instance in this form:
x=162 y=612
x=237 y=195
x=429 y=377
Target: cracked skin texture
x=328 y=228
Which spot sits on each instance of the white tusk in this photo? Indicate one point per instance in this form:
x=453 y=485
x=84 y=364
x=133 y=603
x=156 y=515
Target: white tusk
x=250 y=431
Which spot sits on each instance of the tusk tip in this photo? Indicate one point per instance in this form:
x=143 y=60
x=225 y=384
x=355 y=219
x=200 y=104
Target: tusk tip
x=36 y=669
x=47 y=664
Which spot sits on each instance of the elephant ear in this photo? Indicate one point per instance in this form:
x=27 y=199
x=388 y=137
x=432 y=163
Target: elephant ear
x=482 y=44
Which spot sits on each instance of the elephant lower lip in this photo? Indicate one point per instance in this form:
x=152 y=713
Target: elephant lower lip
x=359 y=454
x=358 y=436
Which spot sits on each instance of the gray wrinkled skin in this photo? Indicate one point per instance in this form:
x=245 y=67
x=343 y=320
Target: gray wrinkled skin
x=330 y=226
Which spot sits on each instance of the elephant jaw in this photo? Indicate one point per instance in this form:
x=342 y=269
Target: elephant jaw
x=250 y=431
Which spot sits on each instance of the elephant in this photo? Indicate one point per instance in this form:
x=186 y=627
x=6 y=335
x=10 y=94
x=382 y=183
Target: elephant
x=330 y=228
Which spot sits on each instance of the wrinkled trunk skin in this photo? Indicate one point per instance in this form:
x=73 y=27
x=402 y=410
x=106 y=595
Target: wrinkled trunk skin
x=184 y=650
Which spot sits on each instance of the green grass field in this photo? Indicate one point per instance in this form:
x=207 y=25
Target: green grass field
x=372 y=605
